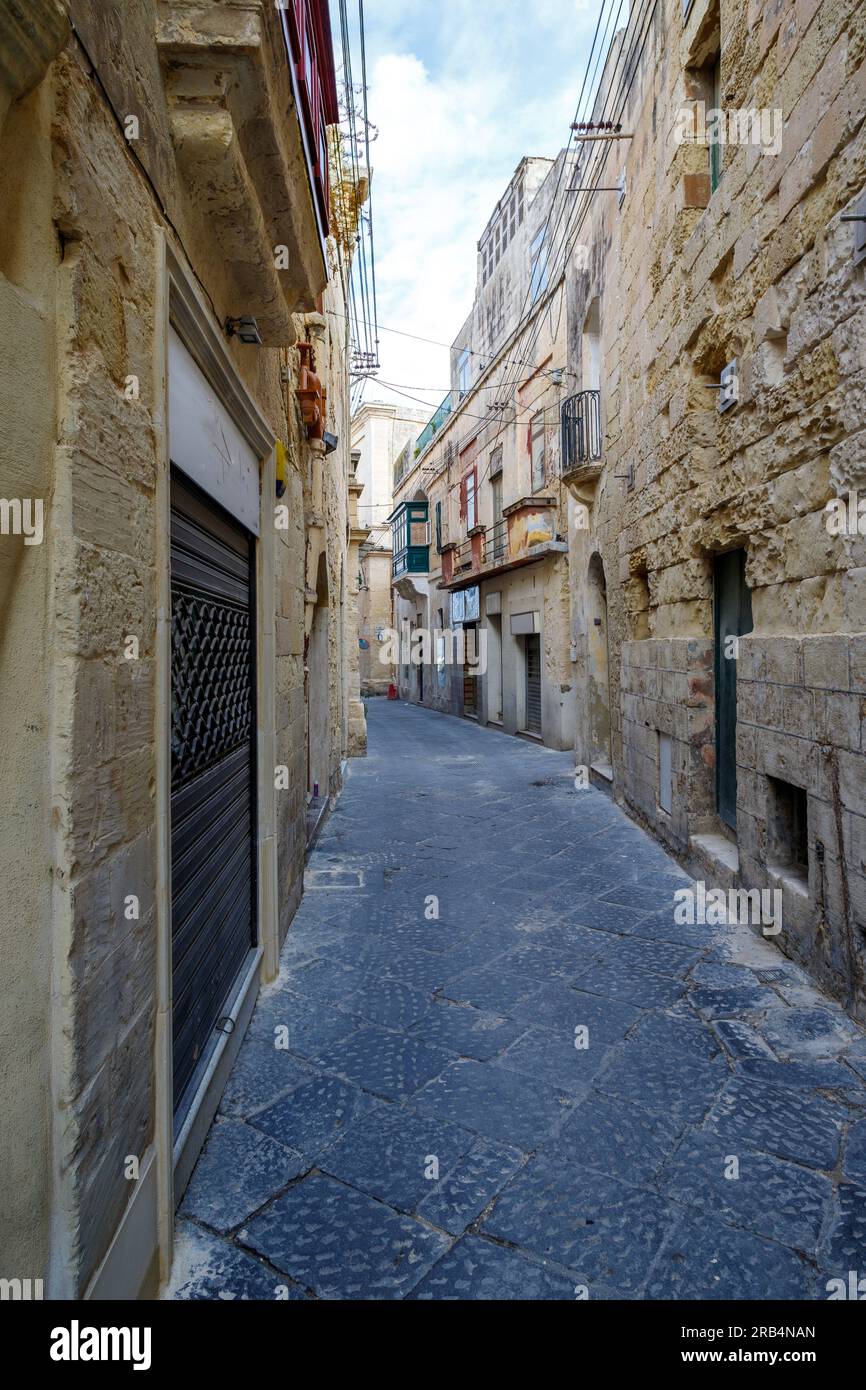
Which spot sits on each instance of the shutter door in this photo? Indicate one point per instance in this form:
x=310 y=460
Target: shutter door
x=213 y=867
x=470 y=681
x=533 y=684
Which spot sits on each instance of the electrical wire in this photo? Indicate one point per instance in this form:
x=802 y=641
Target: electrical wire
x=514 y=383
x=601 y=155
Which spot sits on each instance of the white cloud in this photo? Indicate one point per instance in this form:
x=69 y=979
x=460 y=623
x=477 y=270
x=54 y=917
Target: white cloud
x=459 y=95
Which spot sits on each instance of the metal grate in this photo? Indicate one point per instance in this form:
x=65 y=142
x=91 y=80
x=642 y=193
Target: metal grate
x=211 y=683
x=581 y=430
x=533 y=684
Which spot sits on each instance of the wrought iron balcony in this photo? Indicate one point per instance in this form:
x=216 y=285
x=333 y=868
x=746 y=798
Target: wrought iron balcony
x=496 y=542
x=581 y=431
x=463 y=556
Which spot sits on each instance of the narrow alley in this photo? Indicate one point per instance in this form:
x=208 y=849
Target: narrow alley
x=494 y=1066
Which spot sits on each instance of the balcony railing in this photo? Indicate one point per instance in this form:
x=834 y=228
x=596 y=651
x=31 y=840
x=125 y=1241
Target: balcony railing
x=581 y=430
x=463 y=556
x=496 y=542
x=434 y=424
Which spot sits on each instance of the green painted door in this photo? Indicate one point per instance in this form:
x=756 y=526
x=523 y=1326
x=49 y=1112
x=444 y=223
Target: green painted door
x=732 y=618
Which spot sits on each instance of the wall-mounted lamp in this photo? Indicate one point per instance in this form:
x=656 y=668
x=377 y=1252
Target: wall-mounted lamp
x=244 y=328
x=330 y=442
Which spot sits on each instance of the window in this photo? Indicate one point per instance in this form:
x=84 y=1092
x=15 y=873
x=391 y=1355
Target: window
x=538 y=259
x=470 y=501
x=591 y=353
x=499 y=523
x=537 y=450
x=464 y=369
x=788 y=828
x=468 y=493
x=438 y=515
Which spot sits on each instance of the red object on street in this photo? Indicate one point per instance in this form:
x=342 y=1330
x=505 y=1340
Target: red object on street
x=392 y=692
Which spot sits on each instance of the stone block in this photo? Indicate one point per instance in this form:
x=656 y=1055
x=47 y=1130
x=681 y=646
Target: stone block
x=825 y=662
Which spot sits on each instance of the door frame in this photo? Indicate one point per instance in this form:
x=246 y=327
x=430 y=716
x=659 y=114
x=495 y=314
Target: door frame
x=725 y=692
x=182 y=307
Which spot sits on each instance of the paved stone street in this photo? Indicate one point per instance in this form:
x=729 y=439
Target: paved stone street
x=413 y=1116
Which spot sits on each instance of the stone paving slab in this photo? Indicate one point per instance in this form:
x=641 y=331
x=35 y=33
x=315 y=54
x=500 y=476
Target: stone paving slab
x=467 y=1032
x=409 y=1116
x=605 y=1231
x=760 y=1193
x=497 y=1103
x=476 y=1269
x=314 y=1115
x=397 y=1156
x=338 y=1243
x=617 y=1136
x=460 y=1197
x=239 y=1170
x=703 y=1259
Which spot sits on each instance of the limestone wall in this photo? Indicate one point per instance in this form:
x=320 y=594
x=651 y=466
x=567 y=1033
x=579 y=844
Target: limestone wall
x=84 y=210
x=687 y=279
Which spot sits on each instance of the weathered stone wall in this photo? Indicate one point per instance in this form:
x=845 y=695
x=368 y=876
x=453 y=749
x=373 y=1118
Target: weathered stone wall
x=81 y=211
x=759 y=271
x=28 y=423
x=800 y=721
x=376 y=614
x=667 y=688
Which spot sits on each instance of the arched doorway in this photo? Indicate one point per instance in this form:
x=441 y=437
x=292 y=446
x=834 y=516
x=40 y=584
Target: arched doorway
x=598 y=673
x=318 y=696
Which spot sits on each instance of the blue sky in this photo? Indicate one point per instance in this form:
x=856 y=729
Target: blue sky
x=459 y=91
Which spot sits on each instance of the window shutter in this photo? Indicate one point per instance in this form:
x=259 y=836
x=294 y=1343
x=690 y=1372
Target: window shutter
x=463 y=498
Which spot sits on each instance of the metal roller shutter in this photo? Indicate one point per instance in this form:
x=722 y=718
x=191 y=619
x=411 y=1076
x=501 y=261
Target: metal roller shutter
x=470 y=680
x=533 y=684
x=213 y=863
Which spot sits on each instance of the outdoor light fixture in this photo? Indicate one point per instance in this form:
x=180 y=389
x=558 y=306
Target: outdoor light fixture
x=330 y=442
x=246 y=329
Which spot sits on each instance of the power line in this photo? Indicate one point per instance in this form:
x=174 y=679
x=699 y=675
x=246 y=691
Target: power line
x=598 y=164
x=564 y=160
x=490 y=355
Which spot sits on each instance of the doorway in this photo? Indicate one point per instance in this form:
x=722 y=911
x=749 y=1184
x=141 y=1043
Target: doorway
x=533 y=683
x=470 y=667
x=598 y=684
x=213 y=772
x=732 y=618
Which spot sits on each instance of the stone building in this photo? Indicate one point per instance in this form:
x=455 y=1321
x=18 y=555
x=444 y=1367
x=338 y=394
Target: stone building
x=715 y=329
x=175 y=589
x=489 y=578
x=381 y=434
